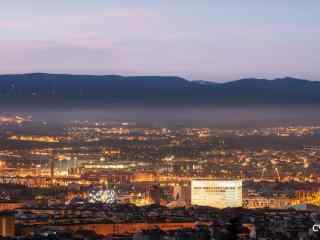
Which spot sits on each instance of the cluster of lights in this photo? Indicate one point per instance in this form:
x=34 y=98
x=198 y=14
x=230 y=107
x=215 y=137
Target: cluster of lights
x=107 y=196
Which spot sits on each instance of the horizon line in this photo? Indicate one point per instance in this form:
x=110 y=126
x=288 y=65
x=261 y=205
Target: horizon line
x=159 y=75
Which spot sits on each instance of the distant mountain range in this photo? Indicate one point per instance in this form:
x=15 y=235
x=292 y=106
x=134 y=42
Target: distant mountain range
x=86 y=90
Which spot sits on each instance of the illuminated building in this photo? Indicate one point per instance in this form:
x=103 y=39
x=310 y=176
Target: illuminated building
x=102 y=196
x=7 y=225
x=33 y=138
x=145 y=177
x=267 y=202
x=182 y=193
x=216 y=193
x=10 y=205
x=12 y=120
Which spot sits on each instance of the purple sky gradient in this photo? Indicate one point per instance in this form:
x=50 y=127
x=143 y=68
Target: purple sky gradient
x=210 y=40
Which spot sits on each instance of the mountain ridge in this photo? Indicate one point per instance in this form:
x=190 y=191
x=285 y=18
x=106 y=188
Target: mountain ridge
x=43 y=88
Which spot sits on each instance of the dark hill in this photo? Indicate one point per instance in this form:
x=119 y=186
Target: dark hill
x=84 y=90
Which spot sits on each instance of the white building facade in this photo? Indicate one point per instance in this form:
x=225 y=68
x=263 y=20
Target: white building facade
x=216 y=193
